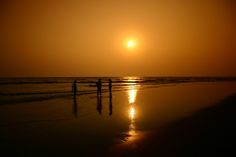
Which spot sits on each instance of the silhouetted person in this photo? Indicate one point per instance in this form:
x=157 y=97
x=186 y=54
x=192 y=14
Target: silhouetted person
x=99 y=96
x=97 y=84
x=99 y=87
x=74 y=87
x=110 y=87
x=110 y=97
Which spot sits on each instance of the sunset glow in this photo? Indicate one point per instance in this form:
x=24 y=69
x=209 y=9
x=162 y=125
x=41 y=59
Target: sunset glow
x=117 y=78
x=131 y=44
x=93 y=38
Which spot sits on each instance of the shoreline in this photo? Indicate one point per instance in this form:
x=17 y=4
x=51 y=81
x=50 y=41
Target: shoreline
x=209 y=132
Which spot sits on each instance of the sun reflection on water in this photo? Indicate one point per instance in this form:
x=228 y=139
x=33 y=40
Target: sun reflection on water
x=132 y=127
x=132 y=94
x=132 y=133
x=132 y=113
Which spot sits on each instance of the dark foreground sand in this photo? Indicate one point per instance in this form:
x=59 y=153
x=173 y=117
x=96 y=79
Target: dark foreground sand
x=209 y=132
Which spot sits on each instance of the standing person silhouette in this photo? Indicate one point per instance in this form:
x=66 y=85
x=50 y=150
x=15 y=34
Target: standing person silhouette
x=110 y=97
x=99 y=96
x=100 y=86
x=110 y=87
x=74 y=87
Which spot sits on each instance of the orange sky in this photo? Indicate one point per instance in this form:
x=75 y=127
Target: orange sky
x=86 y=37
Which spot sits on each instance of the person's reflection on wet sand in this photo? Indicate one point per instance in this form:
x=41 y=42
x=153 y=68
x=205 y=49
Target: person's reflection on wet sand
x=110 y=106
x=75 y=110
x=99 y=105
x=110 y=97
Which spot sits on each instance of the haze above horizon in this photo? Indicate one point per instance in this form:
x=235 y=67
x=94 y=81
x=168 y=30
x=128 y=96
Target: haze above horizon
x=117 y=38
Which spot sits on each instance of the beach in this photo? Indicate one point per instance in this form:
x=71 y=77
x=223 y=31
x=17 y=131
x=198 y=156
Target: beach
x=140 y=116
x=208 y=132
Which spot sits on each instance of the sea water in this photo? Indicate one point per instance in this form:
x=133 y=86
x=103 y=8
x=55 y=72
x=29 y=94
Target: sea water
x=43 y=117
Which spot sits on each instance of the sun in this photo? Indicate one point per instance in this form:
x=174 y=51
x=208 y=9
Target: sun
x=131 y=43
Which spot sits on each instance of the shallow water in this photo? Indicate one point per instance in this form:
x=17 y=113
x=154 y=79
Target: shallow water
x=41 y=117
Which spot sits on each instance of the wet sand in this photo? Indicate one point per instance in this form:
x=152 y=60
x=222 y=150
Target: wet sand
x=209 y=132
x=190 y=119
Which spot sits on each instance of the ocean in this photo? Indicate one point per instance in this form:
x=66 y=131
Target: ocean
x=44 y=117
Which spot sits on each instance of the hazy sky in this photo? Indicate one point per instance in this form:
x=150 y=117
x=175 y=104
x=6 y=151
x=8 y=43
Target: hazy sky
x=87 y=37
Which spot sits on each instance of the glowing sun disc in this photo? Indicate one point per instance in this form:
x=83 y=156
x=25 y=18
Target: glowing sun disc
x=131 y=44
